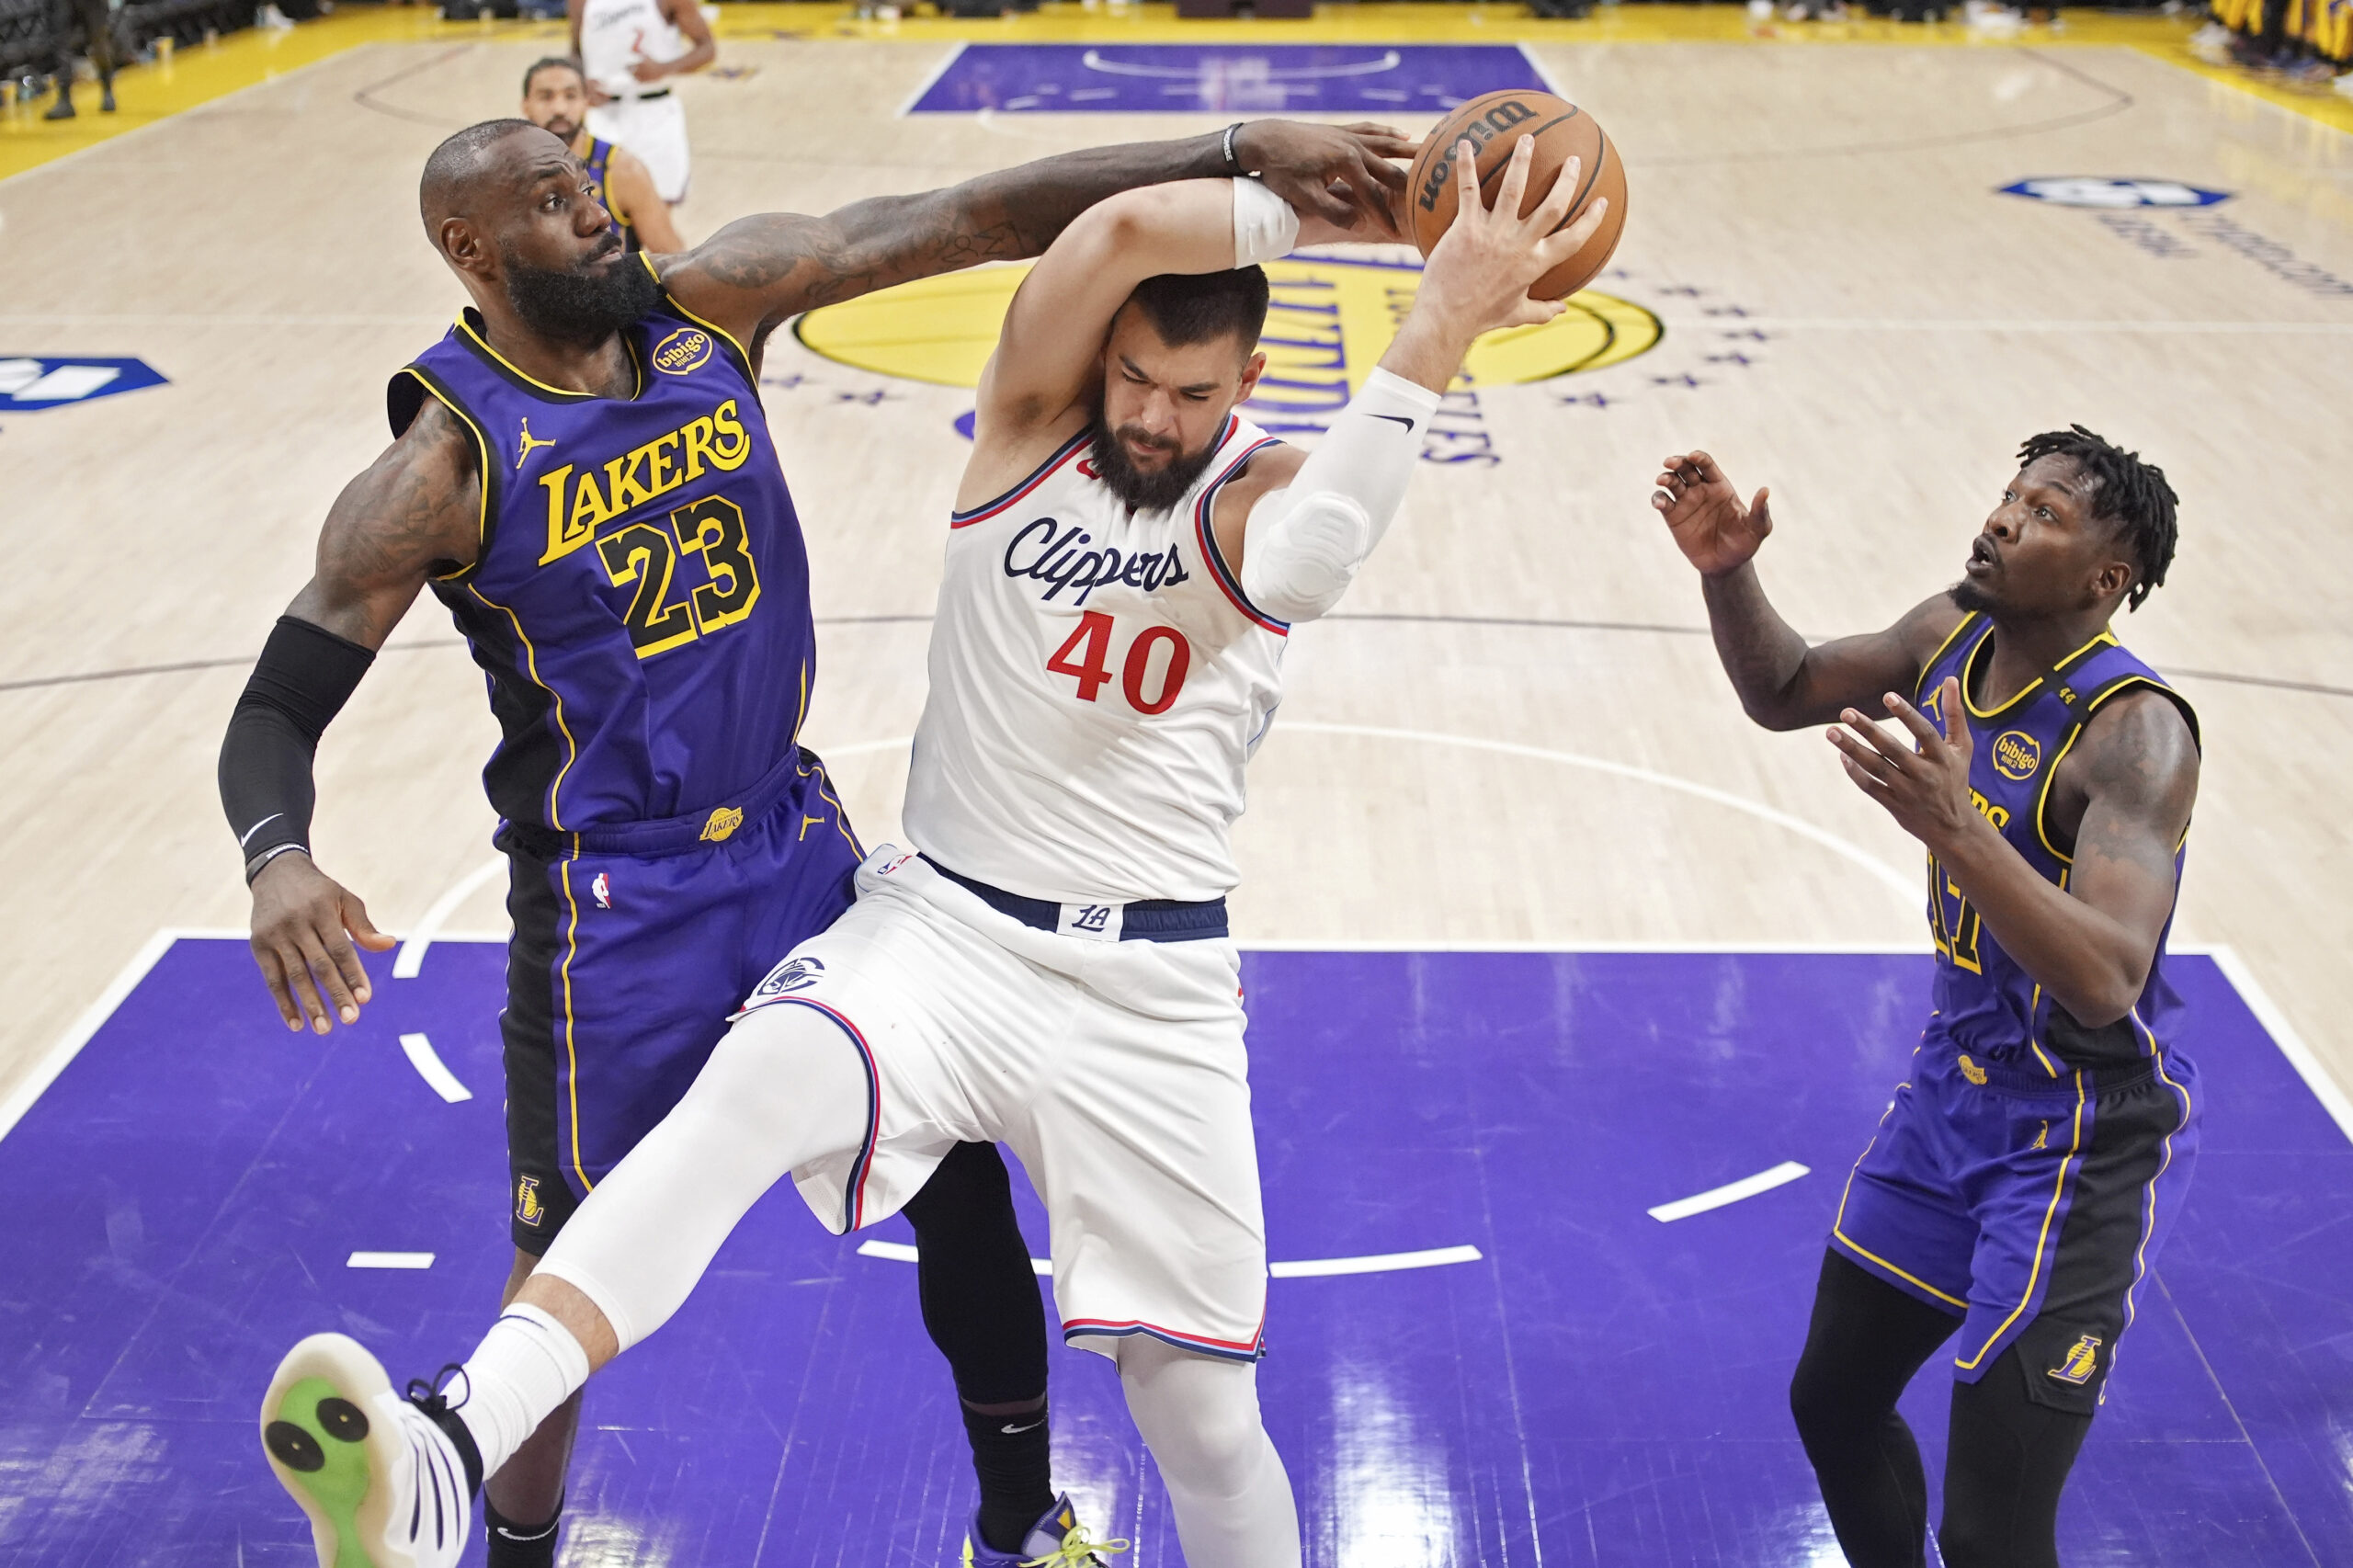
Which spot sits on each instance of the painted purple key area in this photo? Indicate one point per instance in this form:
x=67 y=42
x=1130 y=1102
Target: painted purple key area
x=181 y=1203
x=1243 y=79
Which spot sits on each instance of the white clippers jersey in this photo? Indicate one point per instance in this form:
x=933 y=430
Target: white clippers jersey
x=1098 y=684
x=616 y=34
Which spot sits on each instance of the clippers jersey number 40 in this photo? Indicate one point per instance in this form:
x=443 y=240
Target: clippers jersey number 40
x=1085 y=658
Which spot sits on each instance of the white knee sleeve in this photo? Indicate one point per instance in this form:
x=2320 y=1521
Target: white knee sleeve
x=1303 y=545
x=784 y=1087
x=1198 y=1416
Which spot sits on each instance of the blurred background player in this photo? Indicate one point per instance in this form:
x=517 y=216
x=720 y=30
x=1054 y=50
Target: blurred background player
x=555 y=98
x=630 y=50
x=2028 y=1170
x=97 y=23
x=581 y=474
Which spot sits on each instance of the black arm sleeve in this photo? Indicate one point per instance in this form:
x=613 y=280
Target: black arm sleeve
x=305 y=675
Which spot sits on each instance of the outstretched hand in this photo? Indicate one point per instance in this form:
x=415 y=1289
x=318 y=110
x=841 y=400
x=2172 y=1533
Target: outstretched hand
x=1339 y=173
x=1480 y=270
x=1924 y=785
x=1715 y=532
x=305 y=926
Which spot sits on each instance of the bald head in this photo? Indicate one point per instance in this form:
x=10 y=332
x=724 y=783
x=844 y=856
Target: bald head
x=497 y=155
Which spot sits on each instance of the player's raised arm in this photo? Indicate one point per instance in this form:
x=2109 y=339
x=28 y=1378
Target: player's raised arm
x=757 y=271
x=1297 y=531
x=1048 y=355
x=416 y=512
x=1783 y=684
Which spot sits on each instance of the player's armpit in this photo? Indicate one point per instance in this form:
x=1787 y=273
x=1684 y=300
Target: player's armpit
x=415 y=514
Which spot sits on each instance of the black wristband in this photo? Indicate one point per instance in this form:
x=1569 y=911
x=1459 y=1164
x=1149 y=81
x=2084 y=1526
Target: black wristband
x=303 y=679
x=1232 y=163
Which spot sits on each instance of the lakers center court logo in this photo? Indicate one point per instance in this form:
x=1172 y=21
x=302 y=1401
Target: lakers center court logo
x=1327 y=324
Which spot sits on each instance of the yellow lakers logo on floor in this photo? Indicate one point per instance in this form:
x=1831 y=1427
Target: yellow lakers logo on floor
x=1327 y=325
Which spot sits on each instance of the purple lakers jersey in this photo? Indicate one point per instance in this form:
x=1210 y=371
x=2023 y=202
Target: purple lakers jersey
x=641 y=600
x=1987 y=1005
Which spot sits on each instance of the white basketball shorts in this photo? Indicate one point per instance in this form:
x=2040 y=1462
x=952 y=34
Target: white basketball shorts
x=654 y=128
x=1115 y=1070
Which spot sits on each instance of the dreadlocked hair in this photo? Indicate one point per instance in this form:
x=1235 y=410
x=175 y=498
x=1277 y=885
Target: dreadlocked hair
x=2125 y=491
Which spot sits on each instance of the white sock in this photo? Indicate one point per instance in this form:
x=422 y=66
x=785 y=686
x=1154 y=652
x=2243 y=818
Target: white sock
x=526 y=1366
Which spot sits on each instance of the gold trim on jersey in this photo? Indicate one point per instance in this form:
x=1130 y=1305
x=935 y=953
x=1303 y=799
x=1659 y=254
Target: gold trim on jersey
x=531 y=666
x=566 y=394
x=1968 y=671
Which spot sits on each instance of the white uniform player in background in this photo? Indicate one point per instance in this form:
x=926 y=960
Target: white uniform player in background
x=631 y=50
x=1053 y=970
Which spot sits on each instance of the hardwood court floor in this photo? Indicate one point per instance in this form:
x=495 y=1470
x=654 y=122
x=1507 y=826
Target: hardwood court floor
x=1516 y=732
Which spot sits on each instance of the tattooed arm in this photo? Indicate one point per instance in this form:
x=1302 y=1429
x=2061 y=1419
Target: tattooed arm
x=757 y=271
x=2122 y=796
x=417 y=512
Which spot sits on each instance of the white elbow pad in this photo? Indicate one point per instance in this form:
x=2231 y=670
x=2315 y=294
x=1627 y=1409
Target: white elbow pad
x=1264 y=227
x=1303 y=546
x=1303 y=550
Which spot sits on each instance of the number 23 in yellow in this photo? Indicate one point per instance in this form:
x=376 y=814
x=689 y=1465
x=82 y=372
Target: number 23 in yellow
x=647 y=553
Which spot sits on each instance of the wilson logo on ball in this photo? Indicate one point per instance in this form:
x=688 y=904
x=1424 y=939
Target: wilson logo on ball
x=1479 y=131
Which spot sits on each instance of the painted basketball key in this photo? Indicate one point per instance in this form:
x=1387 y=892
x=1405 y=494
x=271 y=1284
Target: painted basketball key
x=1493 y=123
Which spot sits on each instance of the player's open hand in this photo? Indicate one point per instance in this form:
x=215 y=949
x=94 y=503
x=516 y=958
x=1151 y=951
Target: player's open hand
x=1480 y=272
x=305 y=924
x=1339 y=173
x=1922 y=778
x=1715 y=532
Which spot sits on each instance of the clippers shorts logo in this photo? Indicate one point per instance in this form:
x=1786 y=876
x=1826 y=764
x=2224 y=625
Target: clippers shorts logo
x=2097 y=190
x=793 y=974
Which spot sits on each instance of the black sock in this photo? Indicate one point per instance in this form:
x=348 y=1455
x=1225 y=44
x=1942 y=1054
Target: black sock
x=520 y=1546
x=1014 y=1460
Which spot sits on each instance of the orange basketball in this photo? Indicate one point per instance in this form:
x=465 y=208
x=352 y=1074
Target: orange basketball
x=1494 y=123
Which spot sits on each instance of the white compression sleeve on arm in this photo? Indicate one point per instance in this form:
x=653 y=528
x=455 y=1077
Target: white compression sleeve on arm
x=1304 y=544
x=1264 y=227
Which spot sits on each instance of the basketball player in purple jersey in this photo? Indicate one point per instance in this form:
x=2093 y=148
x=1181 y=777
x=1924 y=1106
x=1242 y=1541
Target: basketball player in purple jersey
x=582 y=473
x=2031 y=1164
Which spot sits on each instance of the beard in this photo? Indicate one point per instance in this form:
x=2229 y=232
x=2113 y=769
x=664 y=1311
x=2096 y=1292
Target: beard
x=563 y=129
x=585 y=303
x=1968 y=596
x=1138 y=490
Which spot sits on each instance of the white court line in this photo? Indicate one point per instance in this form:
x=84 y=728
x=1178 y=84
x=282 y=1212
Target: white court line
x=2284 y=1035
x=433 y=1070
x=389 y=1260
x=1782 y=1175
x=1542 y=76
x=1905 y=883
x=77 y=1035
x=1304 y=1268
x=931 y=79
x=411 y=957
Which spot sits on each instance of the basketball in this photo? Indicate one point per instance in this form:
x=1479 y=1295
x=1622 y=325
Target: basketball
x=1494 y=122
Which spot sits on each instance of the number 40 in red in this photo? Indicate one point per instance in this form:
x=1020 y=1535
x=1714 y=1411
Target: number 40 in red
x=1086 y=657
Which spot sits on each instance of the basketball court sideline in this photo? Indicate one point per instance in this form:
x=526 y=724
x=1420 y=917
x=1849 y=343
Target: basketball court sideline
x=1545 y=935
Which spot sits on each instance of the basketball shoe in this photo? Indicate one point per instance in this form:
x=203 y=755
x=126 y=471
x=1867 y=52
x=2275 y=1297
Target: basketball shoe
x=387 y=1481
x=1056 y=1540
